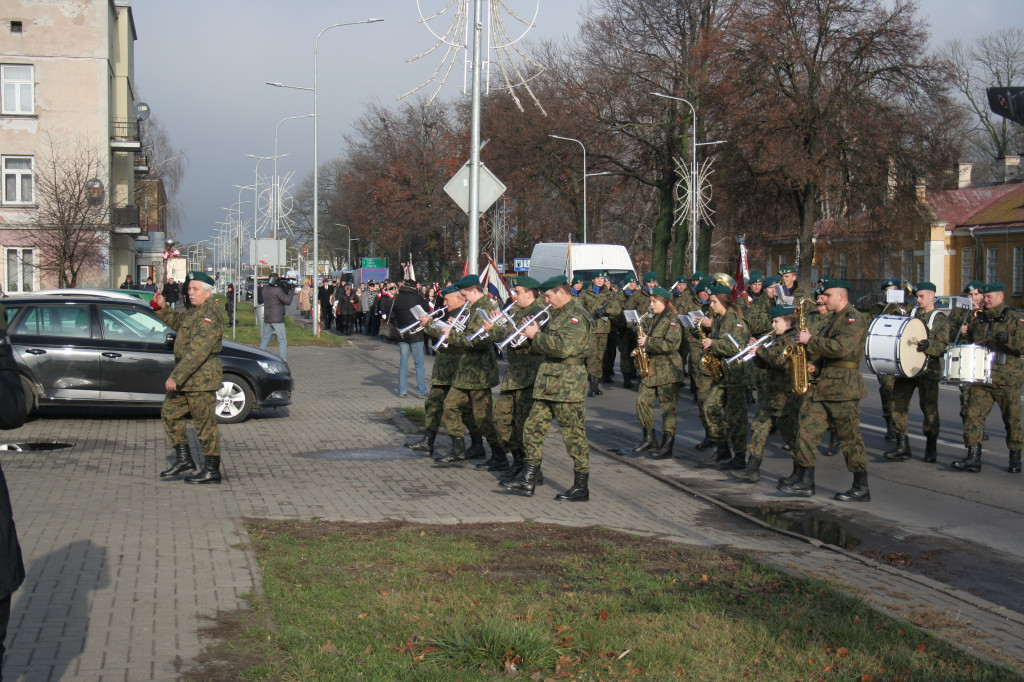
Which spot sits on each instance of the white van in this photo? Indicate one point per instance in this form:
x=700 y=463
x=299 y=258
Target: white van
x=562 y=258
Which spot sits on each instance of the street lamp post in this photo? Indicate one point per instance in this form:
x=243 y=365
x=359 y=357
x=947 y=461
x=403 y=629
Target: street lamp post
x=277 y=188
x=316 y=159
x=573 y=139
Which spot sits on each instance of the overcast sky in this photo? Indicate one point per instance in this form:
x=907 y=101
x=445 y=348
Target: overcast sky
x=202 y=68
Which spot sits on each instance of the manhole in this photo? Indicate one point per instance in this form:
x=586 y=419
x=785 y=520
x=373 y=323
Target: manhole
x=33 y=447
x=364 y=455
x=807 y=522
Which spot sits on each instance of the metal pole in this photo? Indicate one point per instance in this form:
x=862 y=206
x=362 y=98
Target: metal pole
x=474 y=149
x=277 y=187
x=573 y=139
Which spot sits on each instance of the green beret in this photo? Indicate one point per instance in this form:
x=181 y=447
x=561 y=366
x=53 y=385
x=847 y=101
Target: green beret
x=973 y=285
x=719 y=289
x=924 y=286
x=200 y=276
x=600 y=273
x=449 y=290
x=697 y=276
x=892 y=282
x=703 y=284
x=755 y=277
x=660 y=291
x=549 y=284
x=786 y=269
x=651 y=276
x=467 y=281
x=629 y=278
x=527 y=282
x=680 y=278
x=770 y=281
x=780 y=310
x=993 y=287
x=577 y=279
x=835 y=284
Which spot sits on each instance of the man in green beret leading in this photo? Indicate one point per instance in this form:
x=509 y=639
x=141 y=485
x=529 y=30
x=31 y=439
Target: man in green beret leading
x=559 y=391
x=193 y=385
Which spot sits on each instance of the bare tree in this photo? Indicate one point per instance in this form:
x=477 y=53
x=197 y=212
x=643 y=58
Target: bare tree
x=168 y=164
x=70 y=229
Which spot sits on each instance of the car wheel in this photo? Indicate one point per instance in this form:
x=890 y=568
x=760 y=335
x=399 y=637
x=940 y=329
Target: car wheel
x=30 y=396
x=234 y=400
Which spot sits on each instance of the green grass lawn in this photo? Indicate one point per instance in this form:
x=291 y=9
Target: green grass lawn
x=397 y=601
x=298 y=334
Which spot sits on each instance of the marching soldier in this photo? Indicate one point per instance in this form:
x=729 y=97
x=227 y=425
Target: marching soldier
x=834 y=400
x=998 y=329
x=727 y=334
x=559 y=391
x=516 y=392
x=659 y=339
x=958 y=326
x=446 y=366
x=638 y=298
x=926 y=382
x=477 y=373
x=601 y=303
x=193 y=385
x=683 y=300
x=700 y=380
x=886 y=381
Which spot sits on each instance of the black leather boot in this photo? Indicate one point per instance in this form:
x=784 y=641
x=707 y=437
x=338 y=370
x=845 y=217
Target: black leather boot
x=607 y=379
x=737 y=463
x=476 y=447
x=751 y=473
x=457 y=454
x=833 y=444
x=793 y=477
x=649 y=442
x=802 y=487
x=900 y=453
x=498 y=461
x=627 y=381
x=209 y=474
x=579 y=492
x=706 y=443
x=722 y=452
x=1014 y=466
x=972 y=462
x=931 y=448
x=595 y=390
x=182 y=464
x=859 y=492
x=526 y=481
x=515 y=467
x=425 y=444
x=664 y=451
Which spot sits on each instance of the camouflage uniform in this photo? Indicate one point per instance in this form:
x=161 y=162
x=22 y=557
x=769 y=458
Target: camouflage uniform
x=684 y=302
x=666 y=371
x=197 y=372
x=728 y=397
x=640 y=301
x=760 y=324
x=926 y=382
x=477 y=373
x=516 y=393
x=834 y=399
x=446 y=364
x=1007 y=376
x=957 y=318
x=560 y=389
x=698 y=374
x=778 y=403
x=599 y=330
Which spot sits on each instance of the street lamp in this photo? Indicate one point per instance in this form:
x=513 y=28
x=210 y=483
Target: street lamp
x=573 y=139
x=350 y=240
x=316 y=159
x=277 y=189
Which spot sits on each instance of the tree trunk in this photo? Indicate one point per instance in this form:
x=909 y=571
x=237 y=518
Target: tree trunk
x=661 y=235
x=807 y=207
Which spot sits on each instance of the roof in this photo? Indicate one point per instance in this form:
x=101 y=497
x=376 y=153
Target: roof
x=961 y=206
x=1006 y=210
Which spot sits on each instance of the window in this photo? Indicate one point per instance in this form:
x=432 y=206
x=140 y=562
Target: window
x=18 y=179
x=15 y=27
x=1018 y=271
x=17 y=88
x=991 y=264
x=68 y=321
x=20 y=271
x=782 y=261
x=966 y=267
x=908 y=265
x=843 y=265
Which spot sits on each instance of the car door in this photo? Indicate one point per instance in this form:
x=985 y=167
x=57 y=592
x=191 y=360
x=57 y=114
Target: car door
x=136 y=353
x=54 y=343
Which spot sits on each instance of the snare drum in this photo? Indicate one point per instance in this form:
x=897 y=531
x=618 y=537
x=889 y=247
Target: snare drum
x=891 y=346
x=968 y=363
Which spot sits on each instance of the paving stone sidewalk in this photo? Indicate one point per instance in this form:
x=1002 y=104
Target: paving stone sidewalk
x=124 y=569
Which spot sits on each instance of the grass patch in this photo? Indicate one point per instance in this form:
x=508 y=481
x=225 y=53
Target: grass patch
x=397 y=601
x=298 y=335
x=417 y=415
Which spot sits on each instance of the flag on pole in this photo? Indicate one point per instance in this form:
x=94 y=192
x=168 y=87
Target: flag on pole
x=742 y=271
x=494 y=283
x=408 y=271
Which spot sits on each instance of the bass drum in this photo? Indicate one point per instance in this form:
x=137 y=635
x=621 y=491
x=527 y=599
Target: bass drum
x=891 y=347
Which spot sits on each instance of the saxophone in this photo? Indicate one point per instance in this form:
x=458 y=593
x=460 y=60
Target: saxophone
x=711 y=364
x=796 y=354
x=642 y=361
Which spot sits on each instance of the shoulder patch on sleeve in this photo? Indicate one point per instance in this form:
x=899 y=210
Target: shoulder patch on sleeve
x=851 y=319
x=207 y=320
x=575 y=320
x=672 y=324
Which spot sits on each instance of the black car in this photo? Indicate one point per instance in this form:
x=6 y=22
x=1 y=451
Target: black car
x=92 y=350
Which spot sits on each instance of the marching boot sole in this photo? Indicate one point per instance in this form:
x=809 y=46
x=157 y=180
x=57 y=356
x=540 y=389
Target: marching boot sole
x=797 y=492
x=855 y=497
x=177 y=470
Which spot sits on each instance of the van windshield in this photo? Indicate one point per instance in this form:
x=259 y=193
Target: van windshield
x=616 y=277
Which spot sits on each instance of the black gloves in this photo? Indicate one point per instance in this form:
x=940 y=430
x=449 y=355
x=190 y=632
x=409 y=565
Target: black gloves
x=922 y=345
x=1001 y=338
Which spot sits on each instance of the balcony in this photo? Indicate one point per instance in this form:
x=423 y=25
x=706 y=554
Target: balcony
x=141 y=164
x=124 y=135
x=125 y=219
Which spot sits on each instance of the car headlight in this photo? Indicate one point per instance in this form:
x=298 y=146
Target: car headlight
x=273 y=366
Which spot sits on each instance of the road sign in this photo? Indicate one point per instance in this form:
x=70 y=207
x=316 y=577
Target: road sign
x=1007 y=102
x=521 y=264
x=490 y=188
x=374 y=263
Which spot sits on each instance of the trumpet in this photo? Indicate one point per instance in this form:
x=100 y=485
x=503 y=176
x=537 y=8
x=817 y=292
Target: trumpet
x=500 y=318
x=458 y=324
x=416 y=327
x=517 y=337
x=750 y=351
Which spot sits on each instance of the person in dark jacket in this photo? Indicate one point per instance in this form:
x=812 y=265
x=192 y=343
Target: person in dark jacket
x=12 y=570
x=401 y=317
x=277 y=295
x=172 y=293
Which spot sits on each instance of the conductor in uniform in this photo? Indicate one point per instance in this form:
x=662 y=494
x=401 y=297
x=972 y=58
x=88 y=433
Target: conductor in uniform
x=193 y=385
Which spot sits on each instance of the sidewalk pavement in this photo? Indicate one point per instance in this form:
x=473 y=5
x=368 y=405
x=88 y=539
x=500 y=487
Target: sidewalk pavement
x=123 y=569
